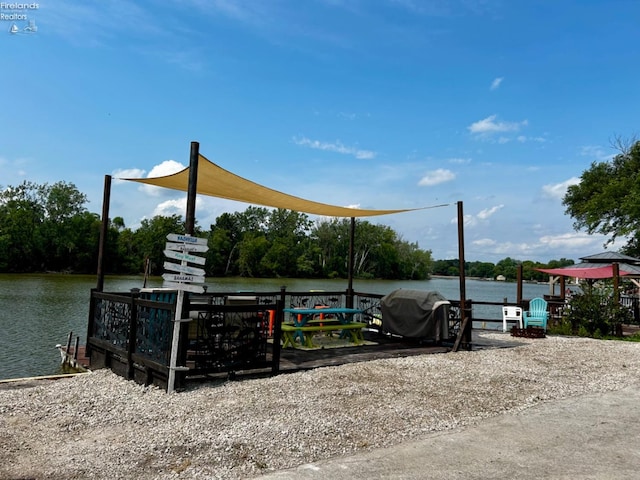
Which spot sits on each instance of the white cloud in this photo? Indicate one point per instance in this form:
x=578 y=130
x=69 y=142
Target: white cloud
x=557 y=191
x=336 y=147
x=171 y=207
x=490 y=125
x=435 y=177
x=459 y=161
x=467 y=219
x=524 y=139
x=571 y=241
x=122 y=173
x=569 y=245
x=484 y=242
x=487 y=212
x=482 y=215
x=166 y=168
x=496 y=83
x=596 y=153
x=162 y=169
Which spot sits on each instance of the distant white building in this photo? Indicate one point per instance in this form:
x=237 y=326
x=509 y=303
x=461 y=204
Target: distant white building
x=500 y=278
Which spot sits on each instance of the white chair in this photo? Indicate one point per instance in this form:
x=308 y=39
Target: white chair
x=511 y=314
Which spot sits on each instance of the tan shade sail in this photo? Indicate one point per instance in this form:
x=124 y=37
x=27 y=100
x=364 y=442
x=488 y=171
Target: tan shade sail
x=218 y=182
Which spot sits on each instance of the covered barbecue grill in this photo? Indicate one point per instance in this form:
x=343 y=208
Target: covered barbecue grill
x=416 y=314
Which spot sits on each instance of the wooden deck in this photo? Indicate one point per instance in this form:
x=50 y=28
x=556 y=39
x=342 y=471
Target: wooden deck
x=295 y=359
x=73 y=360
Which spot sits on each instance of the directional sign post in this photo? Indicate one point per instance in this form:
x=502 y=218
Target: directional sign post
x=183 y=278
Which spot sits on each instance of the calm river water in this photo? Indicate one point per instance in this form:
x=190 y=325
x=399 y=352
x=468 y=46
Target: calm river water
x=38 y=311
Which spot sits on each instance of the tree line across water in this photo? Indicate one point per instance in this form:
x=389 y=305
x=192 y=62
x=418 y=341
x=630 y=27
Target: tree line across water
x=48 y=228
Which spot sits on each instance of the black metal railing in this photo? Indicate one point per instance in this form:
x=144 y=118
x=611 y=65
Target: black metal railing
x=132 y=333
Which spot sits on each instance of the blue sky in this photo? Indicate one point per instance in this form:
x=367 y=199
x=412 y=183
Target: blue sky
x=373 y=103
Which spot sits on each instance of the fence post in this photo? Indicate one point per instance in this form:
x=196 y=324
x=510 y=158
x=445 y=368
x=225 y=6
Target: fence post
x=277 y=335
x=90 y=323
x=133 y=334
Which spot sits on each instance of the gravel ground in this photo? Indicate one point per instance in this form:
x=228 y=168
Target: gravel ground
x=101 y=426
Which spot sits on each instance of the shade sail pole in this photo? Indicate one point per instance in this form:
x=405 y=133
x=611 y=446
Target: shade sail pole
x=189 y=226
x=465 y=326
x=190 y=218
x=104 y=230
x=352 y=235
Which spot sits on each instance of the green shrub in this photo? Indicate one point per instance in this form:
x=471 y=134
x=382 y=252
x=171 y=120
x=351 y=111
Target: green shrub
x=595 y=313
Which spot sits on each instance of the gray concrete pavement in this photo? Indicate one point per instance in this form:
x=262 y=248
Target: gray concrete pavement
x=588 y=437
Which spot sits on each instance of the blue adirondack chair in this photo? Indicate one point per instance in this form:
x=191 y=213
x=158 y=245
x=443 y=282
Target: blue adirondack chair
x=537 y=314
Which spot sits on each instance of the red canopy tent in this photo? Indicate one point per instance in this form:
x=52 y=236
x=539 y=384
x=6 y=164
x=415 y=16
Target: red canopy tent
x=583 y=271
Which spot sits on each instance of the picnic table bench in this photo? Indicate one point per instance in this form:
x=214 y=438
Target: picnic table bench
x=304 y=325
x=354 y=329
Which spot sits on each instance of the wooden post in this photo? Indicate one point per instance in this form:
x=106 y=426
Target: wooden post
x=519 y=284
x=76 y=347
x=104 y=229
x=277 y=336
x=616 y=283
x=68 y=349
x=465 y=325
x=190 y=222
x=192 y=189
x=133 y=333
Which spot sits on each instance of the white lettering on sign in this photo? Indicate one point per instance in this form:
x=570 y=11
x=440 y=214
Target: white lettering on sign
x=179 y=277
x=186 y=247
x=185 y=257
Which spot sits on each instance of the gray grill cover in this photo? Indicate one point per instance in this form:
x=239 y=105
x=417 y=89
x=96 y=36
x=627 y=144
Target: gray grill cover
x=416 y=314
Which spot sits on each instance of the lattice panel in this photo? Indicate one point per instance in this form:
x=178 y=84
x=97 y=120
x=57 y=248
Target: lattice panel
x=111 y=322
x=154 y=330
x=227 y=341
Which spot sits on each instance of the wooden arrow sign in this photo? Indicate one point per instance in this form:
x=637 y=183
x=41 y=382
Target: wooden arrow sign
x=176 y=267
x=175 y=237
x=187 y=287
x=181 y=277
x=185 y=257
x=186 y=247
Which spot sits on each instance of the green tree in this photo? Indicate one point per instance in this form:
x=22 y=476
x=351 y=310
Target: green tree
x=252 y=249
x=150 y=238
x=415 y=264
x=481 y=269
x=507 y=267
x=607 y=199
x=286 y=232
x=68 y=227
x=224 y=239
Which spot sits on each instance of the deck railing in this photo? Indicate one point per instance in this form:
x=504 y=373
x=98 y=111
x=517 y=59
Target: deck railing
x=132 y=332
